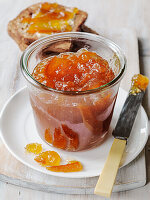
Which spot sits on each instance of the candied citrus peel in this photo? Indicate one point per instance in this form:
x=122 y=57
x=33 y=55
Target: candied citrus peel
x=139 y=83
x=48 y=158
x=72 y=137
x=34 y=148
x=48 y=136
x=73 y=166
x=51 y=159
x=59 y=139
x=63 y=138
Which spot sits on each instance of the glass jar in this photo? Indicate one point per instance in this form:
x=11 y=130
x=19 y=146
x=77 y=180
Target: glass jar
x=73 y=120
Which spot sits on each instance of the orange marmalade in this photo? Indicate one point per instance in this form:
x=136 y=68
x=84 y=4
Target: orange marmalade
x=80 y=71
x=51 y=18
x=139 y=83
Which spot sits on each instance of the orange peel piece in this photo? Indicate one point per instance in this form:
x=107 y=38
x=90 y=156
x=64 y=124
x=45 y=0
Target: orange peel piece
x=74 y=166
x=48 y=158
x=34 y=148
x=48 y=136
x=59 y=139
x=72 y=136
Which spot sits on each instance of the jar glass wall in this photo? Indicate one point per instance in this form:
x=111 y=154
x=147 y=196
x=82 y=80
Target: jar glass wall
x=73 y=120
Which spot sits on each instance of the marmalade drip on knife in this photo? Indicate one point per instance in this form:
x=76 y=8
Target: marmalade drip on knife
x=139 y=83
x=81 y=121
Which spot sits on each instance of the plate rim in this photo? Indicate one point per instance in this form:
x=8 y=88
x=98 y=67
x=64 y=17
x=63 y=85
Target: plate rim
x=54 y=173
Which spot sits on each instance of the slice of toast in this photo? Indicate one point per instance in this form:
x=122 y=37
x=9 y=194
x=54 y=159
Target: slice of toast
x=18 y=30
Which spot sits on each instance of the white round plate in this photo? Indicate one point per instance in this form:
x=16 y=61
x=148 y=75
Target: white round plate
x=18 y=129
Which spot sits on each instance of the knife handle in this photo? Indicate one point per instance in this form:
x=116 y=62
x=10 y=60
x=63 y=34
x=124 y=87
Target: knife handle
x=107 y=178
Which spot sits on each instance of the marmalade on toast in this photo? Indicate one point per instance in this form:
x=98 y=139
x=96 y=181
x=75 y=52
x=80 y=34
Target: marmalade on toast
x=51 y=18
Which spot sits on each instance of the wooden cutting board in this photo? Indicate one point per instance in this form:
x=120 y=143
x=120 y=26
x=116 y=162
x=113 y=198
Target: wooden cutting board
x=14 y=172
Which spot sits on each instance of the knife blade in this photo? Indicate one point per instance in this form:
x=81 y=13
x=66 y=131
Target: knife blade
x=121 y=133
x=127 y=116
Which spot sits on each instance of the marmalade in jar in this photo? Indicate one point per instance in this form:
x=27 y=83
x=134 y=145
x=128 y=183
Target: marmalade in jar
x=78 y=71
x=81 y=121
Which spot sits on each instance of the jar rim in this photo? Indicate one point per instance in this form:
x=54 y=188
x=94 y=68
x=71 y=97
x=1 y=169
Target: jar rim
x=68 y=35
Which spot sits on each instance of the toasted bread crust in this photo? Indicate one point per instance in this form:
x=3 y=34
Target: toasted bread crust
x=86 y=29
x=17 y=30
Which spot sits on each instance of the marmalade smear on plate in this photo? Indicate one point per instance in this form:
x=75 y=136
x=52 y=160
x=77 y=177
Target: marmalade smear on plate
x=73 y=122
x=51 y=159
